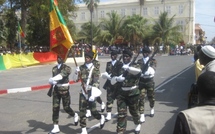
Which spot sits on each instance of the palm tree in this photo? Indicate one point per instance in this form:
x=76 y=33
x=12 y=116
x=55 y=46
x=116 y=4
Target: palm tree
x=86 y=30
x=111 y=27
x=91 y=4
x=135 y=29
x=164 y=30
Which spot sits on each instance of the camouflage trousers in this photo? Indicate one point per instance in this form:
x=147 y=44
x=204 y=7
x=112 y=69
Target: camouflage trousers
x=57 y=96
x=122 y=103
x=146 y=89
x=111 y=96
x=83 y=105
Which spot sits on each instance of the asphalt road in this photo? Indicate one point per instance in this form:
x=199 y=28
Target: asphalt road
x=30 y=112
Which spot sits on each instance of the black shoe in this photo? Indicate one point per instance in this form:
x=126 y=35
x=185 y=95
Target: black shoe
x=76 y=123
x=152 y=115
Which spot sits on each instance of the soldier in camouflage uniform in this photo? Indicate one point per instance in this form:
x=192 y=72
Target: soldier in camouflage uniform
x=60 y=83
x=88 y=99
x=112 y=69
x=96 y=63
x=128 y=93
x=146 y=84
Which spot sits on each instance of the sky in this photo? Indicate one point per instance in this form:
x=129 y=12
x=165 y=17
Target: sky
x=204 y=15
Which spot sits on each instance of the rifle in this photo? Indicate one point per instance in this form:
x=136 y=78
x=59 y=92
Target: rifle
x=79 y=75
x=50 y=90
x=107 y=81
x=146 y=66
x=132 y=62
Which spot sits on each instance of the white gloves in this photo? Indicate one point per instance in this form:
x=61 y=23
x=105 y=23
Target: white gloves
x=125 y=67
x=52 y=82
x=116 y=79
x=149 y=73
x=105 y=76
x=57 y=77
x=77 y=69
x=92 y=98
x=120 y=78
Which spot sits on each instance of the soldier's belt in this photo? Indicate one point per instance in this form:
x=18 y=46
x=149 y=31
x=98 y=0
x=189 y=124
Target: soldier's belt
x=145 y=79
x=63 y=85
x=129 y=88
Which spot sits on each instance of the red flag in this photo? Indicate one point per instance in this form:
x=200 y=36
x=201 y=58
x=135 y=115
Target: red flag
x=60 y=38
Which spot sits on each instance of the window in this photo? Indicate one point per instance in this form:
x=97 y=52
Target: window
x=181 y=8
x=156 y=11
x=181 y=23
x=83 y=16
x=133 y=11
x=102 y=14
x=122 y=12
x=168 y=9
x=145 y=12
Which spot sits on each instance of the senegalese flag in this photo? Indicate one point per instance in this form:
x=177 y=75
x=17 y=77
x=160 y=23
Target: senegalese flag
x=20 y=31
x=60 y=38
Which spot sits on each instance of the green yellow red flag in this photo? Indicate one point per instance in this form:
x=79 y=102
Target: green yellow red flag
x=20 y=31
x=60 y=38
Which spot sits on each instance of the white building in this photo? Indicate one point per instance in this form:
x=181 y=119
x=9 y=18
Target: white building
x=183 y=9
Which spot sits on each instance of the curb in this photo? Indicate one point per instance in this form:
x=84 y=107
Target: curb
x=26 y=89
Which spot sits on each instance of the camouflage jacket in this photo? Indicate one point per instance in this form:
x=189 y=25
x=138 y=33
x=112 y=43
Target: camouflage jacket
x=130 y=81
x=114 y=70
x=94 y=79
x=64 y=70
x=152 y=63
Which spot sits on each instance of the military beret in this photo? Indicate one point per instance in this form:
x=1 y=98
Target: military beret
x=114 y=52
x=89 y=54
x=209 y=51
x=128 y=52
x=146 y=50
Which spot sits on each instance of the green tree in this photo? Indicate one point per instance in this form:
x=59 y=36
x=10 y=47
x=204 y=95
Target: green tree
x=86 y=31
x=165 y=32
x=135 y=29
x=91 y=5
x=34 y=19
x=111 y=28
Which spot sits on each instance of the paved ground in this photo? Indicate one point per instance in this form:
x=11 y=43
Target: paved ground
x=30 y=112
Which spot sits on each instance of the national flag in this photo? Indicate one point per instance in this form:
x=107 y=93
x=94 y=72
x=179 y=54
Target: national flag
x=22 y=34
x=60 y=38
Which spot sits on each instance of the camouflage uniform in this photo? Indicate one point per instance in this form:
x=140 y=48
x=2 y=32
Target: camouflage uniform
x=114 y=70
x=61 y=92
x=97 y=65
x=146 y=85
x=83 y=102
x=128 y=99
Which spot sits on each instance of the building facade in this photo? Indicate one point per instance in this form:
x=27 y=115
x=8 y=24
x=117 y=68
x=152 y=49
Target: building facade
x=184 y=11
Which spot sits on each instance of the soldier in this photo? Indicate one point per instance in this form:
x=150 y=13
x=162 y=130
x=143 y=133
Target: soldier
x=128 y=93
x=60 y=84
x=146 y=83
x=90 y=77
x=88 y=48
x=112 y=69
